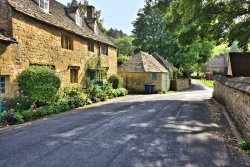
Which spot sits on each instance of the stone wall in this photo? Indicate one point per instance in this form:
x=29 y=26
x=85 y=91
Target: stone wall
x=40 y=44
x=135 y=81
x=180 y=84
x=234 y=94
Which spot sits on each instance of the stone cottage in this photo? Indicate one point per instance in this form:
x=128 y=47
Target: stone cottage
x=47 y=33
x=143 y=69
x=218 y=64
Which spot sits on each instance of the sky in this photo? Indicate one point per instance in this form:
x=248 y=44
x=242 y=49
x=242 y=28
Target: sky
x=117 y=14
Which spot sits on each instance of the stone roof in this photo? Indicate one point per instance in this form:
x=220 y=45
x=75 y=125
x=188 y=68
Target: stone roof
x=142 y=62
x=57 y=17
x=218 y=62
x=163 y=61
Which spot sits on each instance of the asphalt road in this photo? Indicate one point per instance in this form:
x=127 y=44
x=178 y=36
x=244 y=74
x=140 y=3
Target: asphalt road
x=135 y=131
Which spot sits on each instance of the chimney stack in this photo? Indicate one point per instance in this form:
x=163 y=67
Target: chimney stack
x=90 y=12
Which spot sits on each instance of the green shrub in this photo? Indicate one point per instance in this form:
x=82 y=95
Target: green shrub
x=245 y=145
x=18 y=118
x=75 y=96
x=3 y=117
x=116 y=81
x=27 y=115
x=20 y=103
x=94 y=91
x=121 y=92
x=40 y=83
x=108 y=90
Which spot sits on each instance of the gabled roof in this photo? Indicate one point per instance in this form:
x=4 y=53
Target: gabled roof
x=218 y=62
x=57 y=17
x=163 y=61
x=142 y=62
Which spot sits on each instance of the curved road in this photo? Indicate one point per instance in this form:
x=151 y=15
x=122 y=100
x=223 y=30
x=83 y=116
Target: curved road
x=172 y=130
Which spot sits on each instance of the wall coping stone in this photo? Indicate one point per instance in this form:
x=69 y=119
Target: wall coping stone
x=238 y=83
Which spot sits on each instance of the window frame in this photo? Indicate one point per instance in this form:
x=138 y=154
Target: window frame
x=3 y=82
x=104 y=51
x=44 y=5
x=78 y=20
x=67 y=42
x=91 y=46
x=74 y=73
x=154 y=76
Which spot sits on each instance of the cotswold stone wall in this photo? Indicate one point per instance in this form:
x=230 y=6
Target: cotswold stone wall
x=234 y=94
x=180 y=84
x=40 y=44
x=135 y=81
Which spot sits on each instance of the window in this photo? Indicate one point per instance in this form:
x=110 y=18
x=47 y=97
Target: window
x=67 y=42
x=44 y=4
x=3 y=84
x=91 y=46
x=154 y=76
x=74 y=75
x=104 y=49
x=78 y=20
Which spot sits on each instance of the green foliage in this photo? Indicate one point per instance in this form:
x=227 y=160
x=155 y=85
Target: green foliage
x=40 y=84
x=125 y=46
x=248 y=153
x=151 y=35
x=121 y=59
x=244 y=145
x=19 y=103
x=18 y=118
x=27 y=115
x=209 y=20
x=116 y=34
x=116 y=81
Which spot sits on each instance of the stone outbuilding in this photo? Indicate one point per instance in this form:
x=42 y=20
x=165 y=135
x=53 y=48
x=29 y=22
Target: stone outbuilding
x=218 y=64
x=239 y=65
x=143 y=69
x=47 y=33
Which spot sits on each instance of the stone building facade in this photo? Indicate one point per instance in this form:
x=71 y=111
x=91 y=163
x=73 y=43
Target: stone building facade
x=144 y=69
x=30 y=36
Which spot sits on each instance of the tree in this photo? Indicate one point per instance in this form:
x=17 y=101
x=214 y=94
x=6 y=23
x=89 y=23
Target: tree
x=217 y=20
x=114 y=33
x=151 y=35
x=73 y=3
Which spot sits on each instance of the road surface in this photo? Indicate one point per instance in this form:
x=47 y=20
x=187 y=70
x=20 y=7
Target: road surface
x=172 y=130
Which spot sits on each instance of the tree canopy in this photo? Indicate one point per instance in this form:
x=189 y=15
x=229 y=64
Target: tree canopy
x=151 y=35
x=213 y=20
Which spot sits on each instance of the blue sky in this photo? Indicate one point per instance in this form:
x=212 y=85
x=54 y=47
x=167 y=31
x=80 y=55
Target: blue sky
x=117 y=14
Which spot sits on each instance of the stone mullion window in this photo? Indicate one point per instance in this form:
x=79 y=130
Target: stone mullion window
x=67 y=42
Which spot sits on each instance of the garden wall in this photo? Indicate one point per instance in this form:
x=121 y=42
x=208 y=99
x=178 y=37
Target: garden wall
x=180 y=84
x=234 y=94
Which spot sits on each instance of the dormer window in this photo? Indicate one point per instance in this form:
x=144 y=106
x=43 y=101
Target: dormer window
x=44 y=5
x=78 y=20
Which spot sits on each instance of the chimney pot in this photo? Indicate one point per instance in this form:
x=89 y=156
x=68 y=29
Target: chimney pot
x=90 y=12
